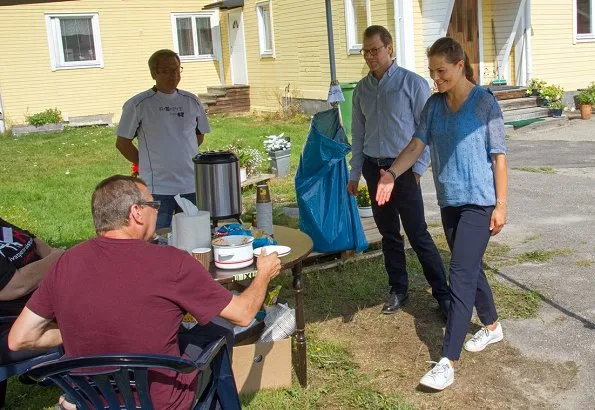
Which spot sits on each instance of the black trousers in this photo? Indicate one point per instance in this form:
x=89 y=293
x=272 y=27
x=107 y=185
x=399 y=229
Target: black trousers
x=406 y=202
x=467 y=230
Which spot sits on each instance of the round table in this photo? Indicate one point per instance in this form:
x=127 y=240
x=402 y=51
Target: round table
x=301 y=246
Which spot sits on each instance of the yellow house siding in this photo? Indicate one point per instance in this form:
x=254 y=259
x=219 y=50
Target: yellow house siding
x=130 y=32
x=489 y=68
x=301 y=50
x=224 y=29
x=555 y=58
x=421 y=61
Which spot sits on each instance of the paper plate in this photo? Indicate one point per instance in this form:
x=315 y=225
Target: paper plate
x=281 y=250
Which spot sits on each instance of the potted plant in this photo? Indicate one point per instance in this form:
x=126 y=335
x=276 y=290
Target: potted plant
x=250 y=159
x=364 y=204
x=278 y=148
x=551 y=93
x=535 y=86
x=556 y=108
x=586 y=99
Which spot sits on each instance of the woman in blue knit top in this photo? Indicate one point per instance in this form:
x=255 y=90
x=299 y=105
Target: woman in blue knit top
x=462 y=123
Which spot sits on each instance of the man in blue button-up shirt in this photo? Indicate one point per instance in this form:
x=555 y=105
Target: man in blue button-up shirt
x=387 y=105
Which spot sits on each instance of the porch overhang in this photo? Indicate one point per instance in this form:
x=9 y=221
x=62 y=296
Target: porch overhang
x=225 y=5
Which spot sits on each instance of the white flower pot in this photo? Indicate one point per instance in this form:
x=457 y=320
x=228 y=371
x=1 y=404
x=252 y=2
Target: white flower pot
x=365 y=211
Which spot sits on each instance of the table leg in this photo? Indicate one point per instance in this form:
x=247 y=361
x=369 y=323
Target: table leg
x=300 y=337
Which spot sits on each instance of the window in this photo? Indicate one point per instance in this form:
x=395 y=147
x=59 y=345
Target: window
x=357 y=19
x=585 y=20
x=74 y=40
x=194 y=36
x=265 y=29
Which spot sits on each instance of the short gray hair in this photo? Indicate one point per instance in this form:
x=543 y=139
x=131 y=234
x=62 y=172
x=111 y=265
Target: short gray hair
x=159 y=55
x=112 y=199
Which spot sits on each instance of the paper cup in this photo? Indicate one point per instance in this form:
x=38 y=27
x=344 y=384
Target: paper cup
x=203 y=255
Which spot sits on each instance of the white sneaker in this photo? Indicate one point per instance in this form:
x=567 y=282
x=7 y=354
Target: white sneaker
x=484 y=337
x=440 y=377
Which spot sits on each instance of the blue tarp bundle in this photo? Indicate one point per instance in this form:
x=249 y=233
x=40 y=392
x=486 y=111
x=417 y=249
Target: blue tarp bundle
x=328 y=214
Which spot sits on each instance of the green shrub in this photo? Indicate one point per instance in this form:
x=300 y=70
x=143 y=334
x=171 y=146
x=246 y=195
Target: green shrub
x=535 y=85
x=49 y=116
x=552 y=93
x=587 y=97
x=363 y=197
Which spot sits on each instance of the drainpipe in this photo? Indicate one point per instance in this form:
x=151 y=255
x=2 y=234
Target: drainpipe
x=528 y=35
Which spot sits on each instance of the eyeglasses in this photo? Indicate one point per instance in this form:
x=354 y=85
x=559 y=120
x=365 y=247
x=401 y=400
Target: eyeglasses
x=153 y=204
x=170 y=70
x=371 y=52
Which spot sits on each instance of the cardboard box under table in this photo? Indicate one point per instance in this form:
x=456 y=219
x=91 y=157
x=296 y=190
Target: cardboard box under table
x=259 y=366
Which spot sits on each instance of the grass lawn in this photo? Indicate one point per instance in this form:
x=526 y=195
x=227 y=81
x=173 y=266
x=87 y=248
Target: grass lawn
x=46 y=188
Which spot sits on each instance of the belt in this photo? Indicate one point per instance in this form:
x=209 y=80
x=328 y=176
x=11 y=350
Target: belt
x=381 y=162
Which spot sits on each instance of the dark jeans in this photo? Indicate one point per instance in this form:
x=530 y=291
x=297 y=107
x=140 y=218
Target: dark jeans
x=168 y=207
x=193 y=341
x=467 y=233
x=406 y=201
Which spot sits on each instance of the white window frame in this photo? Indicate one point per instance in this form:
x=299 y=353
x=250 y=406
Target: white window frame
x=57 y=61
x=354 y=44
x=264 y=51
x=582 y=38
x=214 y=19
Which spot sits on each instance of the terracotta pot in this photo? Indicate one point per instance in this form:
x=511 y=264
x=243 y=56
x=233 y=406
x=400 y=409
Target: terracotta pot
x=586 y=111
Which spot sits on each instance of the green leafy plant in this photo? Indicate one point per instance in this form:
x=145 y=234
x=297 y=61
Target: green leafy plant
x=587 y=96
x=552 y=93
x=274 y=143
x=557 y=105
x=535 y=86
x=49 y=116
x=249 y=158
x=363 y=197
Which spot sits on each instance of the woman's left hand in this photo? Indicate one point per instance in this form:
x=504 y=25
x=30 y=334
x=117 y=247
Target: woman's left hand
x=498 y=219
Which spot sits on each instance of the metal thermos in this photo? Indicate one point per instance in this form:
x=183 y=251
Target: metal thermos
x=218 y=189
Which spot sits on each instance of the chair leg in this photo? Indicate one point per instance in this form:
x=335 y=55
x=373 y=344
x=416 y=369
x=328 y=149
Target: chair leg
x=3 y=385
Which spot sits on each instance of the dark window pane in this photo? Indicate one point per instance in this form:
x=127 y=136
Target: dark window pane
x=584 y=16
x=77 y=39
x=205 y=39
x=185 y=41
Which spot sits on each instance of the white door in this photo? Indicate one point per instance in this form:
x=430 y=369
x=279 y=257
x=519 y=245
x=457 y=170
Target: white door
x=237 y=51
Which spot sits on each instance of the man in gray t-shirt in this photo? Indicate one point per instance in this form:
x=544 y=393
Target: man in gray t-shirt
x=170 y=125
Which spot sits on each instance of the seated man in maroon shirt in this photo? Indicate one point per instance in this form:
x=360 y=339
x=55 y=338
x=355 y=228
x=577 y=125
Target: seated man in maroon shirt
x=118 y=293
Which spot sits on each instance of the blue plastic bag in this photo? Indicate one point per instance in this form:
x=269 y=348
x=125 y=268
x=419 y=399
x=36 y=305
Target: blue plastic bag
x=328 y=214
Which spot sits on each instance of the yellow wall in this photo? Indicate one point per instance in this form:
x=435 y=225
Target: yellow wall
x=421 y=60
x=130 y=32
x=301 y=49
x=489 y=67
x=555 y=59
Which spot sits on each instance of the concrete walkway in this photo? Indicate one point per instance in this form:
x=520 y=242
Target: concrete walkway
x=552 y=211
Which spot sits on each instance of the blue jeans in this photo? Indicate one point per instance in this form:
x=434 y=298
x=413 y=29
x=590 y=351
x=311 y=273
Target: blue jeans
x=168 y=207
x=467 y=230
x=405 y=202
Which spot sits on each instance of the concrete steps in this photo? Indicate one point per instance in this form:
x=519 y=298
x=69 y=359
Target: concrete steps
x=516 y=105
x=226 y=99
x=525 y=114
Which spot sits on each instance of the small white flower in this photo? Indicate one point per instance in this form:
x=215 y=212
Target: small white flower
x=67 y=172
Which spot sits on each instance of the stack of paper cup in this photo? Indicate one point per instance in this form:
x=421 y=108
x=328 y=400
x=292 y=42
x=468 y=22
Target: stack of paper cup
x=264 y=209
x=203 y=255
